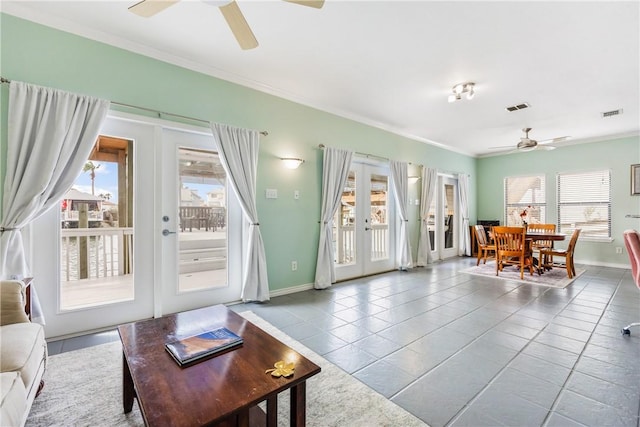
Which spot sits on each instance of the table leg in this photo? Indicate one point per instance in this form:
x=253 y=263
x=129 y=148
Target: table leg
x=243 y=418
x=128 y=391
x=272 y=411
x=298 y=405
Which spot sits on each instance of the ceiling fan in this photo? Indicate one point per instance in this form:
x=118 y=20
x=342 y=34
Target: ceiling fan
x=230 y=11
x=528 y=144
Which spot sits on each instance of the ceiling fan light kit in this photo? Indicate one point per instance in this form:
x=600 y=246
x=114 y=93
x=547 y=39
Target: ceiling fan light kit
x=460 y=89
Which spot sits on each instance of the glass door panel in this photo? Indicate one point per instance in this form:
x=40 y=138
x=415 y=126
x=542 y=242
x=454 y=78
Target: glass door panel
x=378 y=202
x=344 y=224
x=202 y=233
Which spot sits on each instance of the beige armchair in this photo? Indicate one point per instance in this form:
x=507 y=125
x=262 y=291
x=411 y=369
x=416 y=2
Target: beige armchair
x=23 y=355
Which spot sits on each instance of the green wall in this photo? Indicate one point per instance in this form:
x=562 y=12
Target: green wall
x=616 y=155
x=40 y=55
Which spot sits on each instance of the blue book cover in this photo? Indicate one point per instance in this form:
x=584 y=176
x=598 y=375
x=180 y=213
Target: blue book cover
x=190 y=349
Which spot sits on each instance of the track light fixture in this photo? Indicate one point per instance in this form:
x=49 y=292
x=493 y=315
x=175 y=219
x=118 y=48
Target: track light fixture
x=460 y=89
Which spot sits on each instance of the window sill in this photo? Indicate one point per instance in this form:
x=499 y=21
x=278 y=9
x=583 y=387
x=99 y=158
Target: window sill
x=596 y=239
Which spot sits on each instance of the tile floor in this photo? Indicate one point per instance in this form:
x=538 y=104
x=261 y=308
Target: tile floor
x=462 y=350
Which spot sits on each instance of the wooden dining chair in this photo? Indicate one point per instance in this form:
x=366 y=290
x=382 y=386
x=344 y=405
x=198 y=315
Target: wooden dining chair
x=539 y=245
x=512 y=249
x=484 y=247
x=549 y=254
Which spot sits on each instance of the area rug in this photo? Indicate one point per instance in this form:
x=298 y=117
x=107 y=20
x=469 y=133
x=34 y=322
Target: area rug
x=84 y=388
x=555 y=278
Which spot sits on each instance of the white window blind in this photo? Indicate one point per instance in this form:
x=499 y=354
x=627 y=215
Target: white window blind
x=521 y=192
x=584 y=201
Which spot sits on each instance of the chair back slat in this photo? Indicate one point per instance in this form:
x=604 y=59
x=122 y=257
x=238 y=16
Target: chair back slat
x=481 y=236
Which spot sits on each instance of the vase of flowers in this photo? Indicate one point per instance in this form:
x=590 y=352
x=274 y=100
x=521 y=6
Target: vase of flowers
x=524 y=216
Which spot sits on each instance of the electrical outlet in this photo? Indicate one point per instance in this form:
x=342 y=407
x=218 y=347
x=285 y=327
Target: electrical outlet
x=619 y=250
x=294 y=265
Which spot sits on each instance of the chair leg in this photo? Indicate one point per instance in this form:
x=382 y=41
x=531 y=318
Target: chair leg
x=479 y=256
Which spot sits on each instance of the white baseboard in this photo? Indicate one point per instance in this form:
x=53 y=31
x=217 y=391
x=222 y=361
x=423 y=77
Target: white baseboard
x=291 y=290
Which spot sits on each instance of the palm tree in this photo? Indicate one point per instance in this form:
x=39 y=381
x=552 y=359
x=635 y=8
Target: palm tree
x=90 y=166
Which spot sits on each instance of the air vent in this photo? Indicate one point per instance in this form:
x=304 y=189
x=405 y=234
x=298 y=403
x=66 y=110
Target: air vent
x=611 y=113
x=518 y=107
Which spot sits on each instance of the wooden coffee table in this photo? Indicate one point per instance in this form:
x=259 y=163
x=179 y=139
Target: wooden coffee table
x=223 y=390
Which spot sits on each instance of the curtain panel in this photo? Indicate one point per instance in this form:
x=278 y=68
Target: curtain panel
x=429 y=181
x=335 y=170
x=464 y=246
x=400 y=179
x=50 y=136
x=238 y=150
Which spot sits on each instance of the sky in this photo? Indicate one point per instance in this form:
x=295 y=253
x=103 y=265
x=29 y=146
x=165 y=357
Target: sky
x=106 y=181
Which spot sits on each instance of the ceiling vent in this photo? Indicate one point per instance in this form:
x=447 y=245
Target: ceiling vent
x=517 y=107
x=611 y=113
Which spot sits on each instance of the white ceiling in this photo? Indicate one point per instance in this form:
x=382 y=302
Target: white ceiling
x=392 y=64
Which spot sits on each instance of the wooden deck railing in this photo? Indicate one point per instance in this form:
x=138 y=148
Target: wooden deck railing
x=102 y=251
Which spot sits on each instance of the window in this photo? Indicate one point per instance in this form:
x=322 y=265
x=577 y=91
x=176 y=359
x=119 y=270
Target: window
x=521 y=192
x=584 y=201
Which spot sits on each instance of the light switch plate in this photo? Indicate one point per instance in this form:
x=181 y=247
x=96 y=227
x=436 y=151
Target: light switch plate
x=272 y=193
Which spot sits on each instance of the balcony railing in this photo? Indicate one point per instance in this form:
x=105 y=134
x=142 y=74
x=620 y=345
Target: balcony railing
x=346 y=245
x=105 y=252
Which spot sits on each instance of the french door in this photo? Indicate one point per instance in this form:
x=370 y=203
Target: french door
x=444 y=218
x=155 y=232
x=364 y=232
x=101 y=273
x=200 y=240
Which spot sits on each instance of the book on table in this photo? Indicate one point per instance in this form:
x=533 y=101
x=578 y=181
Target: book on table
x=193 y=348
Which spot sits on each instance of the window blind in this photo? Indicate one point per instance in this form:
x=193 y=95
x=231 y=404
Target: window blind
x=521 y=192
x=584 y=201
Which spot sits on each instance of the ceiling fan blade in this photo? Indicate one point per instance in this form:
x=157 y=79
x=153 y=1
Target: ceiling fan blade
x=500 y=147
x=239 y=26
x=147 y=8
x=554 y=140
x=546 y=147
x=311 y=3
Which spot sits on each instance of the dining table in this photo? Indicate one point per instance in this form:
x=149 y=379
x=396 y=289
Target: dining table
x=538 y=236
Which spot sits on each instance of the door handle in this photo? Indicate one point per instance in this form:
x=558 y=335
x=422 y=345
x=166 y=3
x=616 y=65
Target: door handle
x=166 y=232
x=367 y=229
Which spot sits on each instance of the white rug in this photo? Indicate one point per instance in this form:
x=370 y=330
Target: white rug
x=555 y=278
x=84 y=388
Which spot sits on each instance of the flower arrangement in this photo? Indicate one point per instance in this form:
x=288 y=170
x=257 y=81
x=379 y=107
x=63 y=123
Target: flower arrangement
x=524 y=215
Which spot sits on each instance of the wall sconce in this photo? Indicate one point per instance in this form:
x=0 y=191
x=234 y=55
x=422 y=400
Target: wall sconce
x=291 y=162
x=413 y=179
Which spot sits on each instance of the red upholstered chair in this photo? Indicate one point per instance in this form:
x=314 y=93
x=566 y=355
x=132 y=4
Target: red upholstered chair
x=632 y=242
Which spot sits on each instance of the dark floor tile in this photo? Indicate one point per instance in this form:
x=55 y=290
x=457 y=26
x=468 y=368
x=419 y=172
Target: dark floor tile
x=541 y=368
x=551 y=354
x=377 y=346
x=324 y=343
x=557 y=420
x=350 y=358
x=591 y=412
x=625 y=399
x=384 y=378
x=429 y=404
x=473 y=418
x=612 y=373
x=531 y=388
x=509 y=409
x=560 y=342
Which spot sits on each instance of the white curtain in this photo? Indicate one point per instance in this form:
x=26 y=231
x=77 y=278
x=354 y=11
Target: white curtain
x=464 y=247
x=238 y=150
x=50 y=136
x=335 y=170
x=429 y=181
x=400 y=180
